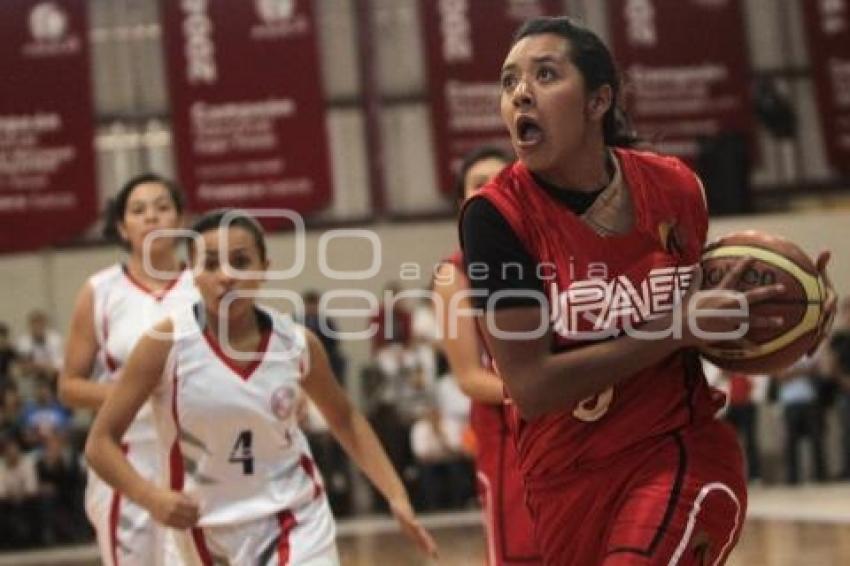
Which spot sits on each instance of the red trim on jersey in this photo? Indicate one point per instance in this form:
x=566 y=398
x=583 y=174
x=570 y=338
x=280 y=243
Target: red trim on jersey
x=201 y=546
x=158 y=294
x=244 y=372
x=176 y=472
x=111 y=363
x=287 y=523
x=114 y=510
x=114 y=514
x=310 y=469
x=175 y=457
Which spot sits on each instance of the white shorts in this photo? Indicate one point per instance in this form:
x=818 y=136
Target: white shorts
x=305 y=537
x=126 y=534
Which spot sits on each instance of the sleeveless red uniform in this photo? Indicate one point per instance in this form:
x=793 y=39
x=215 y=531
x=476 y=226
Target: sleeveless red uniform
x=508 y=525
x=641 y=472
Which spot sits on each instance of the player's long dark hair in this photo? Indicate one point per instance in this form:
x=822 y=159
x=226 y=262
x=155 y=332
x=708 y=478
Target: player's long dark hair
x=117 y=207
x=590 y=55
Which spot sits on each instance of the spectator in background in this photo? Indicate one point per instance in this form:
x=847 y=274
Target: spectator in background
x=19 y=503
x=325 y=328
x=803 y=418
x=444 y=472
x=8 y=357
x=838 y=368
x=40 y=349
x=407 y=365
x=745 y=392
x=393 y=319
x=11 y=414
x=329 y=455
x=424 y=321
x=44 y=415
x=60 y=483
x=450 y=399
x=424 y=339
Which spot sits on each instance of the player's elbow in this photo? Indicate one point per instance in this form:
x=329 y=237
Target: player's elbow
x=530 y=411
x=63 y=391
x=466 y=383
x=529 y=400
x=536 y=397
x=93 y=446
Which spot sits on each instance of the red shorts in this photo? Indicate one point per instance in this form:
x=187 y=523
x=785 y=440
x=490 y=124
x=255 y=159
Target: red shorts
x=679 y=500
x=510 y=532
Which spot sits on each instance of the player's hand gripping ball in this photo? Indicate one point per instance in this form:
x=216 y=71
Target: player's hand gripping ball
x=805 y=308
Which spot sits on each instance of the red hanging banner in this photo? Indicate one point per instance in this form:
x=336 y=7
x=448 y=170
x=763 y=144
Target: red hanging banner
x=828 y=31
x=247 y=106
x=686 y=69
x=48 y=190
x=466 y=43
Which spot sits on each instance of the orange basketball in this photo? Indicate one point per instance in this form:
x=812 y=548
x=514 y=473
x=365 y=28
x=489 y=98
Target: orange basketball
x=776 y=260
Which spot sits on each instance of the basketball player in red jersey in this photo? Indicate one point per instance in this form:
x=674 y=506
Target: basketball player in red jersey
x=585 y=242
x=510 y=539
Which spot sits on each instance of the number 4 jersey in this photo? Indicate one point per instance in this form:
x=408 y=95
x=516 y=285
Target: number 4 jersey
x=230 y=426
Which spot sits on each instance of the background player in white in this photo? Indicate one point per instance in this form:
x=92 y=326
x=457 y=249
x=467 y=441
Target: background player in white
x=113 y=309
x=242 y=480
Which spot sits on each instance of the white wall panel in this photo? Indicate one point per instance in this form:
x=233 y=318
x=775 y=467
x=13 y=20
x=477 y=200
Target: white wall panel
x=409 y=160
x=338 y=47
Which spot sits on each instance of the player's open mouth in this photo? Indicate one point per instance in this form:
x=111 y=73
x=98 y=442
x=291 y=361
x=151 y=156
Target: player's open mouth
x=528 y=131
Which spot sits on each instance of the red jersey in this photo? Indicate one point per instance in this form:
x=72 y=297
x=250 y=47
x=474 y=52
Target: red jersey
x=596 y=286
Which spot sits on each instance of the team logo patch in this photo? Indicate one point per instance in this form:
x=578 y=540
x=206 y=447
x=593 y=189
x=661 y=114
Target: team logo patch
x=283 y=402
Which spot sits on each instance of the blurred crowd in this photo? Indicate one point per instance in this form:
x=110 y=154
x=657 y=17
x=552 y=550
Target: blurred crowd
x=417 y=409
x=409 y=396
x=41 y=471
x=806 y=407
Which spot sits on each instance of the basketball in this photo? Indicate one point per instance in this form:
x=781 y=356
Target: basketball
x=776 y=261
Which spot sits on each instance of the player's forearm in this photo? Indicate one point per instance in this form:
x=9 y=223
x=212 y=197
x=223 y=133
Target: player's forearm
x=106 y=457
x=481 y=385
x=362 y=445
x=560 y=381
x=81 y=393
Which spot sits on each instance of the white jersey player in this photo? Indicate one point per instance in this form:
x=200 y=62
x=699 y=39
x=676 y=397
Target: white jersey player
x=114 y=308
x=224 y=378
x=253 y=467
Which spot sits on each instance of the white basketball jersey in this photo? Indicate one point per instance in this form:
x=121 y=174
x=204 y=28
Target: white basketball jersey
x=124 y=310
x=233 y=440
